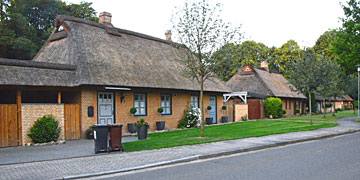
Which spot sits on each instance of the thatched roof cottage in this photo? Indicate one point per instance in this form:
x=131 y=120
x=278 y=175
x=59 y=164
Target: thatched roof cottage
x=93 y=73
x=261 y=83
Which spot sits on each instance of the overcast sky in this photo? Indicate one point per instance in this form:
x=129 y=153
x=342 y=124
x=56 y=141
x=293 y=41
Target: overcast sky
x=272 y=22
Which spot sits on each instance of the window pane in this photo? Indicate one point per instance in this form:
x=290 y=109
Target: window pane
x=136 y=97
x=162 y=98
x=168 y=110
x=142 y=97
x=136 y=104
x=167 y=103
x=162 y=104
x=142 y=104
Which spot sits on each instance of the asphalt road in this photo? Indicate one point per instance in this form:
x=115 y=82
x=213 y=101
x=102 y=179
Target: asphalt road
x=335 y=158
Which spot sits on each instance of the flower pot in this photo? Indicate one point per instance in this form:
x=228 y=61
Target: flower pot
x=224 y=119
x=131 y=128
x=208 y=120
x=160 y=125
x=142 y=132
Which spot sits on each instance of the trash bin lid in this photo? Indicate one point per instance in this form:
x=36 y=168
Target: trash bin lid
x=115 y=125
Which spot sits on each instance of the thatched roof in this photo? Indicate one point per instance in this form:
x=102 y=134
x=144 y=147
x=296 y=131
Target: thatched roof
x=319 y=97
x=109 y=56
x=26 y=72
x=261 y=81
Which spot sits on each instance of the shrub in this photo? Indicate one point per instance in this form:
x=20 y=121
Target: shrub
x=191 y=118
x=283 y=111
x=297 y=111
x=223 y=107
x=209 y=108
x=356 y=103
x=273 y=107
x=244 y=117
x=45 y=129
x=160 y=110
x=133 y=110
x=338 y=109
x=328 y=105
x=347 y=107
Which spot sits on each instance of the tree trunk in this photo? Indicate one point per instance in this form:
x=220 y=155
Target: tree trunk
x=334 y=113
x=2 y=24
x=324 y=108
x=354 y=106
x=310 y=108
x=202 y=124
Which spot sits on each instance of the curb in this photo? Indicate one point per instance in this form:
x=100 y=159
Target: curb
x=175 y=161
x=208 y=156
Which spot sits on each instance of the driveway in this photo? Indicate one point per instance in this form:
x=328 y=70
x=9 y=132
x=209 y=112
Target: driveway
x=71 y=149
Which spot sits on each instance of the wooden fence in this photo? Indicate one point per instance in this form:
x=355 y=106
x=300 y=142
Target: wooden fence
x=72 y=121
x=9 y=128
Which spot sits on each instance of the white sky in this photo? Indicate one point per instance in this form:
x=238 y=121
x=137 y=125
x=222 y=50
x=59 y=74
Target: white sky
x=272 y=22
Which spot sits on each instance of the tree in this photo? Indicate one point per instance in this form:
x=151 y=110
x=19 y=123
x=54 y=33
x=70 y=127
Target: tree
x=231 y=57
x=288 y=52
x=199 y=27
x=26 y=25
x=346 y=46
x=351 y=87
x=330 y=85
x=323 y=45
x=305 y=74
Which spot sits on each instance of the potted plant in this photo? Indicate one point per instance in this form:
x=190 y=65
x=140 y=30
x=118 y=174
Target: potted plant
x=297 y=112
x=160 y=125
x=131 y=126
x=209 y=120
x=90 y=133
x=142 y=128
x=224 y=119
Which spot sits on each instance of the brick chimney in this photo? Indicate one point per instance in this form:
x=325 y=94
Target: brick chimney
x=265 y=65
x=105 y=18
x=168 y=35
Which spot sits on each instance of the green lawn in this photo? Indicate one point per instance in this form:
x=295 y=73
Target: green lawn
x=328 y=118
x=220 y=133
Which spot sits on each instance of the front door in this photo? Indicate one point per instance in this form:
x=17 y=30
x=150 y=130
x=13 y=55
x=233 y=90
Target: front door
x=105 y=108
x=212 y=103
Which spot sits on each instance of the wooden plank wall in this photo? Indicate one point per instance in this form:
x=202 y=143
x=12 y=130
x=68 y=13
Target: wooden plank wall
x=9 y=125
x=72 y=121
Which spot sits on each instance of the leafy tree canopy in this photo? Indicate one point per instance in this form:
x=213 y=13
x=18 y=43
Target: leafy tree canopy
x=346 y=45
x=25 y=25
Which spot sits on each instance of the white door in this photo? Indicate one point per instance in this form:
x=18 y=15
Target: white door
x=212 y=103
x=105 y=108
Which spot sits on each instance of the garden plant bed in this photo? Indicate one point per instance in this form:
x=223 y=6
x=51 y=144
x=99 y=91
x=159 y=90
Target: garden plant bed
x=221 y=133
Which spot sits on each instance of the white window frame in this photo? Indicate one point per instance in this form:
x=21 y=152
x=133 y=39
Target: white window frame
x=165 y=104
x=196 y=101
x=140 y=105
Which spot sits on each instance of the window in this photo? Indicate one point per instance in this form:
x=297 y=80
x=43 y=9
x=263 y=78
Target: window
x=140 y=104
x=194 y=102
x=166 y=103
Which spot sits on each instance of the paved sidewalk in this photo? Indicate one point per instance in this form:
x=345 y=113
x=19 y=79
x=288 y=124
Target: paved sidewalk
x=119 y=162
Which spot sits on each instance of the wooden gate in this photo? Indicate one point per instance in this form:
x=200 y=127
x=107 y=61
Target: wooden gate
x=254 y=109
x=9 y=129
x=72 y=121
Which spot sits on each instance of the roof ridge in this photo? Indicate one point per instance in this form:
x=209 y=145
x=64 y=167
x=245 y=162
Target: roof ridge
x=62 y=18
x=263 y=82
x=35 y=64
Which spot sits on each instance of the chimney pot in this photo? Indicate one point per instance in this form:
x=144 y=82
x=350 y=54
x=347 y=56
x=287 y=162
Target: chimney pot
x=105 y=18
x=265 y=65
x=168 y=35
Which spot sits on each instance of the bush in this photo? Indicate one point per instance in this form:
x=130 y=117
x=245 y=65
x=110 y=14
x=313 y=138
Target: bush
x=244 y=117
x=297 y=111
x=190 y=119
x=347 y=107
x=273 y=107
x=160 y=110
x=209 y=108
x=223 y=107
x=339 y=109
x=142 y=122
x=133 y=110
x=356 y=103
x=45 y=129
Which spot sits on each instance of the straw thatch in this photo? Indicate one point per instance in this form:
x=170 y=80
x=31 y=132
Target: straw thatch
x=110 y=56
x=319 y=97
x=261 y=81
x=25 y=72
x=89 y=53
